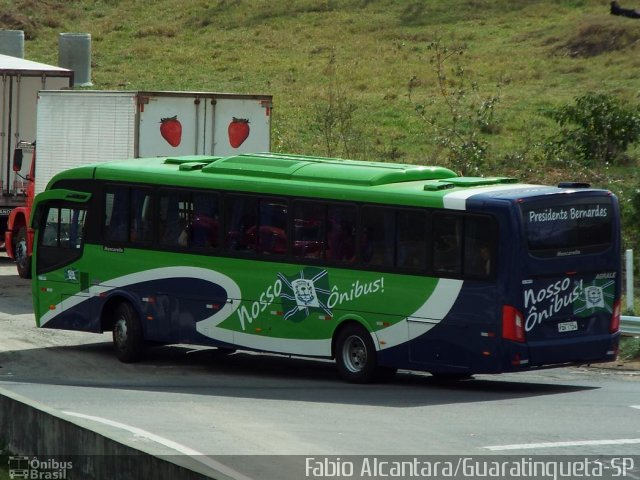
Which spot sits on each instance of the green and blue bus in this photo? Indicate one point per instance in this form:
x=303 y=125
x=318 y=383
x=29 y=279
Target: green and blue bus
x=379 y=266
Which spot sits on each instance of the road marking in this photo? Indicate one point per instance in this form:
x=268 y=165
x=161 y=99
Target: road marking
x=198 y=456
x=579 y=443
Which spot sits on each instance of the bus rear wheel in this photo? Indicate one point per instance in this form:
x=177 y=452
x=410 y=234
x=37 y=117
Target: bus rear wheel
x=127 y=334
x=23 y=259
x=356 y=355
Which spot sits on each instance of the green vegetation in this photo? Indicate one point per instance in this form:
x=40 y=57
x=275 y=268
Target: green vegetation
x=597 y=130
x=629 y=348
x=483 y=87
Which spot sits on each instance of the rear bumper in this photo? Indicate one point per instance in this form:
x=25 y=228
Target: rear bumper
x=601 y=348
x=558 y=353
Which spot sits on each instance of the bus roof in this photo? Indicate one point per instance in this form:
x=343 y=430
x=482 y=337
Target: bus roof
x=309 y=176
x=312 y=169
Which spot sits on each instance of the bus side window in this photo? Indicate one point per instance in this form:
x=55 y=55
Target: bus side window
x=308 y=230
x=175 y=212
x=447 y=243
x=188 y=220
x=141 y=220
x=412 y=239
x=273 y=228
x=341 y=233
x=76 y=227
x=478 y=247
x=116 y=219
x=377 y=242
x=242 y=223
x=204 y=229
x=128 y=215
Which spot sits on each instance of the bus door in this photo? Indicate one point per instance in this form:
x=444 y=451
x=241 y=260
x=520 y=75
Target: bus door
x=570 y=290
x=60 y=276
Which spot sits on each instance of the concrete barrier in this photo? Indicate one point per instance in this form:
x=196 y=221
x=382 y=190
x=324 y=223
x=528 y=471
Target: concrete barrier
x=36 y=431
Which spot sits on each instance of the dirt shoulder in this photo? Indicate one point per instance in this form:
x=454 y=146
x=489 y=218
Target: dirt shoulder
x=633 y=364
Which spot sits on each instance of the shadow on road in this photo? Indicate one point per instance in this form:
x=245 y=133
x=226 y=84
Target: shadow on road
x=178 y=369
x=15 y=292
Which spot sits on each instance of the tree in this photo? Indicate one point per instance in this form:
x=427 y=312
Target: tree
x=598 y=129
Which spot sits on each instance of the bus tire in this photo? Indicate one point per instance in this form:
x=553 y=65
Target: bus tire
x=128 y=339
x=22 y=257
x=356 y=355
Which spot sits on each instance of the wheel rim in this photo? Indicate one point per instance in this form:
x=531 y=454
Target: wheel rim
x=354 y=354
x=120 y=333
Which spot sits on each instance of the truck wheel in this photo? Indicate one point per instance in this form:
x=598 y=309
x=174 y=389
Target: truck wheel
x=23 y=259
x=128 y=340
x=356 y=355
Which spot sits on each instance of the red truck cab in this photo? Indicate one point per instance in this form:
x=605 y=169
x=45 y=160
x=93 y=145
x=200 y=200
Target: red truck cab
x=18 y=237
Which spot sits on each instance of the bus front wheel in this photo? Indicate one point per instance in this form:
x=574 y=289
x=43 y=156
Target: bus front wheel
x=127 y=334
x=356 y=355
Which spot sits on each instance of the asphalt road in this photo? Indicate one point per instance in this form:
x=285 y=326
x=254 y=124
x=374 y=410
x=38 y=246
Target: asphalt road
x=191 y=400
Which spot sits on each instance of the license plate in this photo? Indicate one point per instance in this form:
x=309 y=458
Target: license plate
x=567 y=326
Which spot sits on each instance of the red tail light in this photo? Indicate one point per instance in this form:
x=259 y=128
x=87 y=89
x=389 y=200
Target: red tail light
x=615 y=318
x=512 y=324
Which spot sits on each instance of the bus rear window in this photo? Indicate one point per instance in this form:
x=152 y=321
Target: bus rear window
x=564 y=230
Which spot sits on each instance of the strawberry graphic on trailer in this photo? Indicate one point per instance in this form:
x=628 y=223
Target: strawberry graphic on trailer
x=171 y=130
x=238 y=131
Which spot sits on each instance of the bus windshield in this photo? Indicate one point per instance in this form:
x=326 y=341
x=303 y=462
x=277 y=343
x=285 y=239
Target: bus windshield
x=573 y=229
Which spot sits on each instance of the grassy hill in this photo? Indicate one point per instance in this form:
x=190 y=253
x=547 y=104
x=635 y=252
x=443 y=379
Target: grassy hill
x=340 y=70
x=542 y=52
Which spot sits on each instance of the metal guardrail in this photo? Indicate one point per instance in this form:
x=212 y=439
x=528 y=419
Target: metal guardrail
x=629 y=325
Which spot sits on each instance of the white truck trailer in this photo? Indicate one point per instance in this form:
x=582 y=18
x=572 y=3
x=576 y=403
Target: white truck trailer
x=21 y=80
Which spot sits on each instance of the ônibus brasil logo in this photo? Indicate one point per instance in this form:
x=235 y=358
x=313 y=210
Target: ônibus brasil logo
x=34 y=468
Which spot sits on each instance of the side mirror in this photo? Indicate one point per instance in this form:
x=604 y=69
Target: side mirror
x=17 y=160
